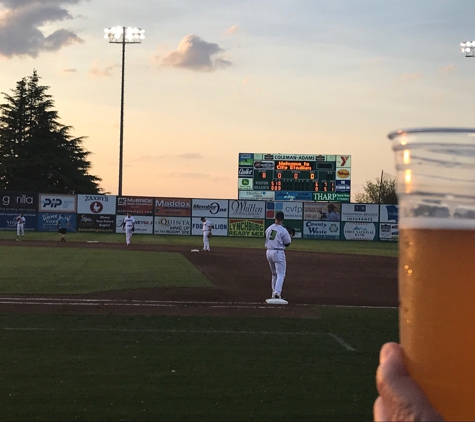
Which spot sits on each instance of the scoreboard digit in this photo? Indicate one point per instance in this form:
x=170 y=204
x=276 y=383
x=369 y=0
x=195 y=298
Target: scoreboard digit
x=295 y=173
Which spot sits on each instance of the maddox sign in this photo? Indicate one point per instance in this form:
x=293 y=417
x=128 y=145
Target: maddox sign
x=210 y=208
x=96 y=204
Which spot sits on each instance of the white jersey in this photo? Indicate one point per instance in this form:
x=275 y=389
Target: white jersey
x=129 y=222
x=277 y=237
x=21 y=220
x=206 y=226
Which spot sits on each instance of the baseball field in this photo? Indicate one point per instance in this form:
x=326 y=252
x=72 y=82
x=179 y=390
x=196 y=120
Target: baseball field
x=94 y=330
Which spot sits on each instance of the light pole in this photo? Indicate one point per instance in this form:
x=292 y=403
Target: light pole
x=123 y=35
x=468 y=47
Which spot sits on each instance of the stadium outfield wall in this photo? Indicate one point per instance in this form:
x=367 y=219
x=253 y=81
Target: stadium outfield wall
x=182 y=216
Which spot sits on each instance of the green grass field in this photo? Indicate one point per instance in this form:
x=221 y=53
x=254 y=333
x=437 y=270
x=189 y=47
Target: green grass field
x=64 y=367
x=331 y=246
x=192 y=368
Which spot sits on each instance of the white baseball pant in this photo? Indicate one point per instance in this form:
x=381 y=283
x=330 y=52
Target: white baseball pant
x=278 y=265
x=128 y=235
x=206 y=240
x=20 y=229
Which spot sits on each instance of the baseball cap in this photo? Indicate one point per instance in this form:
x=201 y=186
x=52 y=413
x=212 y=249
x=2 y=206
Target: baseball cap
x=279 y=215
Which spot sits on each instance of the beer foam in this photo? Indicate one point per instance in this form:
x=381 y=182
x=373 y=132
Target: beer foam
x=435 y=223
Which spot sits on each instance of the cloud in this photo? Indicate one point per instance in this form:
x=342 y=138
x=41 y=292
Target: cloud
x=448 y=69
x=97 y=72
x=195 y=54
x=20 y=23
x=233 y=29
x=409 y=77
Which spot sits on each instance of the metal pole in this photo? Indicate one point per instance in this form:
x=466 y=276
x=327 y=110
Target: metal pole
x=121 y=141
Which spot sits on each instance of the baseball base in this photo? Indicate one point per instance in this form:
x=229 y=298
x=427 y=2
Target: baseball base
x=277 y=302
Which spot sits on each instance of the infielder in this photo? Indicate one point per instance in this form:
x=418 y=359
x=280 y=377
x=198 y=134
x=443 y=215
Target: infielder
x=20 y=225
x=277 y=239
x=206 y=233
x=129 y=224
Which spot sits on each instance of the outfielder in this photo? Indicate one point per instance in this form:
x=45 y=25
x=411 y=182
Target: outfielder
x=206 y=233
x=62 y=224
x=20 y=225
x=129 y=224
x=277 y=239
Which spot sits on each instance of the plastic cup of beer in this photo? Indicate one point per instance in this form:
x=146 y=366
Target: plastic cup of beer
x=436 y=193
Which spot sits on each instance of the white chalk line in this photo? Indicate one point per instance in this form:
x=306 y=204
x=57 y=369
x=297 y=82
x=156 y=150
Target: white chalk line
x=338 y=339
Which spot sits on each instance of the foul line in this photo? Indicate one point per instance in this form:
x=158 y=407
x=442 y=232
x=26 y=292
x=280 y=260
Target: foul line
x=338 y=339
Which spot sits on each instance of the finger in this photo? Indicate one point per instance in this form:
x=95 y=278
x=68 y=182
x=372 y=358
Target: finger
x=403 y=399
x=379 y=412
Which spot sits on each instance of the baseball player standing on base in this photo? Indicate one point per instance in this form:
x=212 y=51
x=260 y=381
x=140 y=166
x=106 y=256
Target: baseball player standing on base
x=20 y=225
x=129 y=224
x=277 y=239
x=206 y=233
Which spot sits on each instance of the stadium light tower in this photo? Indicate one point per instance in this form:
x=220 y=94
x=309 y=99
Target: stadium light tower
x=468 y=47
x=123 y=35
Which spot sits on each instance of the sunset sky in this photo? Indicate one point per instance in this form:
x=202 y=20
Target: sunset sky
x=214 y=78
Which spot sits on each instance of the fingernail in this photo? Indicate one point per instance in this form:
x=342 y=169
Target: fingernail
x=385 y=352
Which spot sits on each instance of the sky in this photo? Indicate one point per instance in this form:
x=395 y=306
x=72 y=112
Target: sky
x=214 y=78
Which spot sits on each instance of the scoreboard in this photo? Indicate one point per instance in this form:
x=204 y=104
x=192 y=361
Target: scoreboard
x=300 y=176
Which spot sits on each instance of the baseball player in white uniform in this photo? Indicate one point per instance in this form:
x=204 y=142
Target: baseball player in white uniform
x=206 y=233
x=277 y=239
x=129 y=224
x=20 y=225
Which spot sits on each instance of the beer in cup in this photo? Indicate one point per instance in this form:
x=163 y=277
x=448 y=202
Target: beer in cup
x=436 y=193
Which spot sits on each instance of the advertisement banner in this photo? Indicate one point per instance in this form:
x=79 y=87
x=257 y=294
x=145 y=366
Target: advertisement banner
x=19 y=202
x=8 y=221
x=359 y=231
x=172 y=225
x=246 y=160
x=360 y=212
x=322 y=211
x=256 y=195
x=343 y=161
x=293 y=196
x=219 y=226
x=210 y=208
x=178 y=207
x=246 y=209
x=295 y=224
x=96 y=223
x=343 y=174
x=321 y=230
x=292 y=210
x=331 y=196
x=96 y=204
x=143 y=224
x=244 y=183
x=245 y=172
x=388 y=213
x=388 y=232
x=136 y=205
x=57 y=203
x=47 y=221
x=342 y=185
x=248 y=228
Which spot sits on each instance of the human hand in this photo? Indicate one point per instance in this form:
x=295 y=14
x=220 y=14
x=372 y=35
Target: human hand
x=400 y=397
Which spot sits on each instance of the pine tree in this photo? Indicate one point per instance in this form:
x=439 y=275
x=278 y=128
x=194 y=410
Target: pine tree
x=37 y=153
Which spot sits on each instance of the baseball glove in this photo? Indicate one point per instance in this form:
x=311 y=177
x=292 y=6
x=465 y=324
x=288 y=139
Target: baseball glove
x=210 y=234
x=133 y=229
x=291 y=231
